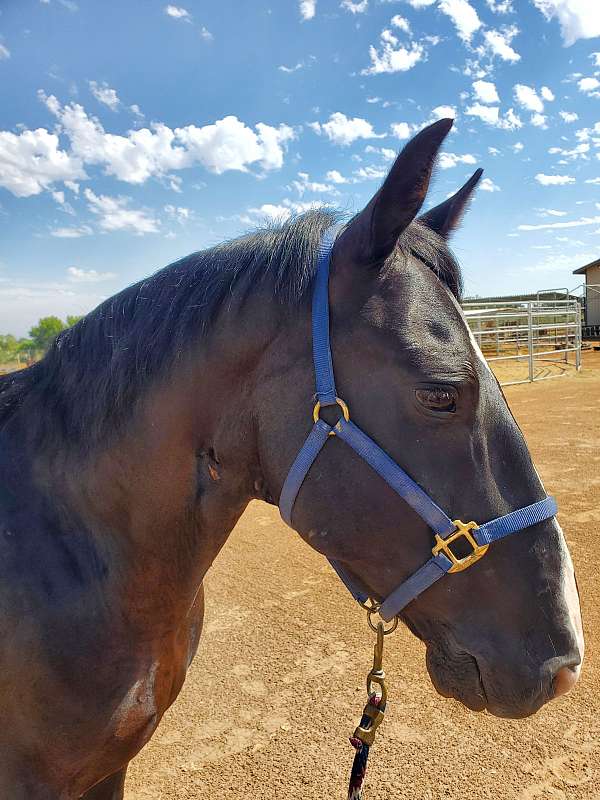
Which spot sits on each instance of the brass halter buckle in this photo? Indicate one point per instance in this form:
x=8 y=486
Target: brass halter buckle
x=462 y=529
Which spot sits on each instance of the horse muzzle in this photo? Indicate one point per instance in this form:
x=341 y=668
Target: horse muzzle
x=512 y=693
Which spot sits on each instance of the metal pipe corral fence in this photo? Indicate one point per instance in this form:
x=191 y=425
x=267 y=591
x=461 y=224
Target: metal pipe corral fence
x=527 y=340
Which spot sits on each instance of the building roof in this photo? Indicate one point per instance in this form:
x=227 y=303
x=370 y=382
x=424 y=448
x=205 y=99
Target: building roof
x=583 y=270
x=520 y=298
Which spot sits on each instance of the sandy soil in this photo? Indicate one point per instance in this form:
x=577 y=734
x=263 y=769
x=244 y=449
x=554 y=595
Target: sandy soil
x=277 y=685
x=518 y=370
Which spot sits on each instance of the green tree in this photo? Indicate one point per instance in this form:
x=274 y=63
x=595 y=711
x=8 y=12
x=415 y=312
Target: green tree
x=73 y=320
x=45 y=332
x=8 y=347
x=26 y=349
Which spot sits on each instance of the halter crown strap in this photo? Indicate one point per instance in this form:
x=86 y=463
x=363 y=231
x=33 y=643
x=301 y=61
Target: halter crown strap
x=324 y=380
x=446 y=531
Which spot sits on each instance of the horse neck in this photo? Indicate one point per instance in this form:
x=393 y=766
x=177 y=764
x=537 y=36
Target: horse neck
x=171 y=488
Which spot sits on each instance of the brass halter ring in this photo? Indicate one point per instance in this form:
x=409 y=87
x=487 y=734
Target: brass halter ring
x=341 y=404
x=372 y=609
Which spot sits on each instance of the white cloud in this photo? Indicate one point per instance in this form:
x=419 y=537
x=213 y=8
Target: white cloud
x=335 y=177
x=115 y=215
x=393 y=57
x=308 y=8
x=576 y=223
x=301 y=206
x=280 y=212
x=562 y=262
x=588 y=84
x=105 y=95
x=386 y=152
x=518 y=146
x=485 y=92
x=501 y=6
x=404 y=130
x=179 y=214
x=579 y=19
x=272 y=212
x=551 y=212
x=463 y=15
x=295 y=68
x=420 y=3
x=488 y=114
x=539 y=121
x=511 y=121
x=306 y=185
x=4 y=52
x=585 y=134
x=488 y=185
x=344 y=130
x=370 y=173
x=206 y=34
x=449 y=160
x=71 y=233
x=76 y=275
x=177 y=12
x=227 y=144
x=491 y=116
x=547 y=94
x=553 y=180
x=579 y=151
x=568 y=116
x=32 y=161
x=594 y=181
x=498 y=43
x=401 y=130
x=401 y=23
x=528 y=98
x=355 y=6
x=443 y=112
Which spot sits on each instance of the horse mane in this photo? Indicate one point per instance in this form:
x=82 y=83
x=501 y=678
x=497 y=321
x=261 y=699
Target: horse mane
x=93 y=374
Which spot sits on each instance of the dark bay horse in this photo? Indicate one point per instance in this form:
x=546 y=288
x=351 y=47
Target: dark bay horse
x=130 y=451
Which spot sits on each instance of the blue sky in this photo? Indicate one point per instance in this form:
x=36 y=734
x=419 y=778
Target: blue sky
x=133 y=133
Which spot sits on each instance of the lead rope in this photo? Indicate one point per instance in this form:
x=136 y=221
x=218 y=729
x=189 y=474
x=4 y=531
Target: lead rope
x=374 y=710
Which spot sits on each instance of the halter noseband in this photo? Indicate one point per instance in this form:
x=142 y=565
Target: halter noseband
x=446 y=531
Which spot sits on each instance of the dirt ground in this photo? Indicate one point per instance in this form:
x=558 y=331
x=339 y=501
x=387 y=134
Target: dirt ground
x=546 y=367
x=277 y=685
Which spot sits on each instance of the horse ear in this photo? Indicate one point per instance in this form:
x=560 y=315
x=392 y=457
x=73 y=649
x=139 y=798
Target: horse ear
x=372 y=235
x=446 y=217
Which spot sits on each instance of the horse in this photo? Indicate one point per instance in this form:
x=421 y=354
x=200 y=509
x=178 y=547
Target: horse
x=128 y=453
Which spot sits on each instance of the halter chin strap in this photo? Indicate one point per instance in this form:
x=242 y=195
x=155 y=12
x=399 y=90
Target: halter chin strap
x=443 y=560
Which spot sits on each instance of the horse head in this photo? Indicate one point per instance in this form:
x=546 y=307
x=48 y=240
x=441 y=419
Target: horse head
x=505 y=634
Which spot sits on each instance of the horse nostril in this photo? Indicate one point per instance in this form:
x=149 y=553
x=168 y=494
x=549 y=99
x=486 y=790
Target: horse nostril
x=564 y=680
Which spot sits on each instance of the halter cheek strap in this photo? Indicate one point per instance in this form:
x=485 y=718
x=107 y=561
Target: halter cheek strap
x=443 y=559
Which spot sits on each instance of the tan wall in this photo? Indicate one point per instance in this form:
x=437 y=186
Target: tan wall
x=592 y=276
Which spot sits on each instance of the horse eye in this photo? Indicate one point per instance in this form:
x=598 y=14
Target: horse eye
x=437 y=399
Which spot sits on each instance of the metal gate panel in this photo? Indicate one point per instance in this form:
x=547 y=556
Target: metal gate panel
x=529 y=340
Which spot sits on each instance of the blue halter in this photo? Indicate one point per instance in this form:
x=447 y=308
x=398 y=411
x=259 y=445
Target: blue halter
x=447 y=531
